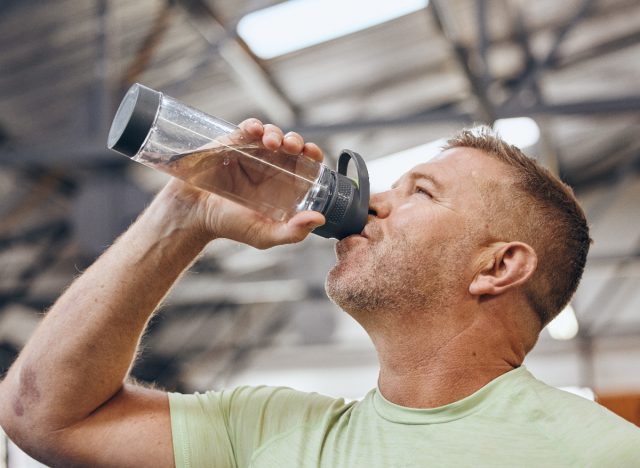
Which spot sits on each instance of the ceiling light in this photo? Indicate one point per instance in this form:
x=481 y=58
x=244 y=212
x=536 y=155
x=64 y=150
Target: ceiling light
x=384 y=171
x=295 y=24
x=519 y=131
x=565 y=325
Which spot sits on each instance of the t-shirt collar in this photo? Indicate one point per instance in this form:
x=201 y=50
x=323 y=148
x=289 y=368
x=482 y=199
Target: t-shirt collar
x=456 y=410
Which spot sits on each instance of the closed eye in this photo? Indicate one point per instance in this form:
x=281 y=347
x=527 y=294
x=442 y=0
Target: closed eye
x=422 y=191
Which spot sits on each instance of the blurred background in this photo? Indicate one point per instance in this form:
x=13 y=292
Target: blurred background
x=386 y=79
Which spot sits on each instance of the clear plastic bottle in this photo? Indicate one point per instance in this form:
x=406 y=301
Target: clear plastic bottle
x=212 y=154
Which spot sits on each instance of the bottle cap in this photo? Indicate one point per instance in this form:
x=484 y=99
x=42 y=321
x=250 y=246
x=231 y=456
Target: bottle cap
x=348 y=208
x=133 y=120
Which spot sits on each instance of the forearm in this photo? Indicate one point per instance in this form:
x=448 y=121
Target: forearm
x=61 y=398
x=81 y=353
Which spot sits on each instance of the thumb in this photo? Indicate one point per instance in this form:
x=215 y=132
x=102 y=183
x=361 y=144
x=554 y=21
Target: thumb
x=298 y=227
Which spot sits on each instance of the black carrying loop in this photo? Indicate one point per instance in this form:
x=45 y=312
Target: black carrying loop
x=348 y=208
x=363 y=179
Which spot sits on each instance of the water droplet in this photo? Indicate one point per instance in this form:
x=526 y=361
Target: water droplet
x=225 y=161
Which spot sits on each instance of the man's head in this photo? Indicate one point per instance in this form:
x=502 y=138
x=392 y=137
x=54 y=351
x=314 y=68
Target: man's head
x=542 y=211
x=477 y=222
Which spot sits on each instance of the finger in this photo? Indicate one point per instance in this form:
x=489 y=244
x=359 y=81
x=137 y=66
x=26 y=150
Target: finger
x=272 y=137
x=313 y=151
x=308 y=219
x=252 y=128
x=292 y=143
x=297 y=228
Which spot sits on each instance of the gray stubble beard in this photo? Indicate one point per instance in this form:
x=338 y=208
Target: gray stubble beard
x=391 y=282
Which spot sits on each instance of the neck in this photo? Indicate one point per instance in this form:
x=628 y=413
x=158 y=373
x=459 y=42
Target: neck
x=442 y=365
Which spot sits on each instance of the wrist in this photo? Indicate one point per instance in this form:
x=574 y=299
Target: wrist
x=175 y=209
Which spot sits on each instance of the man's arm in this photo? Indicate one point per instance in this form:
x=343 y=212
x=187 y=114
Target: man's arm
x=64 y=400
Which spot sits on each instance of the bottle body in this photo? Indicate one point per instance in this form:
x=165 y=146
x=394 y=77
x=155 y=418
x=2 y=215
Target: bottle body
x=213 y=155
x=216 y=156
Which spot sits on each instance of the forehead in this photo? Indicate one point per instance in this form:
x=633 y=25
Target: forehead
x=460 y=166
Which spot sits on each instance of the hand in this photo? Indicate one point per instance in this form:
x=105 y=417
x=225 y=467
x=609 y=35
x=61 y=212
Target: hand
x=218 y=217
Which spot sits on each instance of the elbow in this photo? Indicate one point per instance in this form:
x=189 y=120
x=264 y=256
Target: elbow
x=19 y=425
x=19 y=403
x=12 y=417
x=19 y=395
x=9 y=420
x=7 y=408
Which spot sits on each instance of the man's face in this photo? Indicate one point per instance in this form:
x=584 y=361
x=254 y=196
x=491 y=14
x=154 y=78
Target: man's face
x=417 y=250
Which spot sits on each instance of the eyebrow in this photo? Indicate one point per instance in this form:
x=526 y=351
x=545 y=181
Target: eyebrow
x=421 y=176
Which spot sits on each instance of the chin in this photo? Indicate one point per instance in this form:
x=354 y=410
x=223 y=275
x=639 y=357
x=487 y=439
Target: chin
x=333 y=280
x=348 y=286
x=336 y=280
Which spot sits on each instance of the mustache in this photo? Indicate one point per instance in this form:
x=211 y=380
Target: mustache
x=372 y=231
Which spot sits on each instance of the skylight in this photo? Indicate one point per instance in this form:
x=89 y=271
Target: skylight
x=386 y=170
x=296 y=24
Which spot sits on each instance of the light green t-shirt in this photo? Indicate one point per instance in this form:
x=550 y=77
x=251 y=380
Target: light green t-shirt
x=514 y=421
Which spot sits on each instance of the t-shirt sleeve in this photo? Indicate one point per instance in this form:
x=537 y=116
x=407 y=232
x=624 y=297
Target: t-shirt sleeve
x=224 y=429
x=591 y=433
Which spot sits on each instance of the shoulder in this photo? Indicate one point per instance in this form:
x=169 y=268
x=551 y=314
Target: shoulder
x=306 y=405
x=584 y=427
x=567 y=409
x=225 y=428
x=249 y=401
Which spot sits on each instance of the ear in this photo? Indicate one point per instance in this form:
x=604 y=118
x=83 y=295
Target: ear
x=503 y=266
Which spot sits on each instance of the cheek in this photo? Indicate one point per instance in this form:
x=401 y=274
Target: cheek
x=423 y=221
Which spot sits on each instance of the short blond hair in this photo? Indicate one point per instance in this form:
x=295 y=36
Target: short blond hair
x=544 y=213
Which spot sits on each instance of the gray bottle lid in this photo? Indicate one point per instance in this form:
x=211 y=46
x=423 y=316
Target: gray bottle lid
x=134 y=119
x=348 y=209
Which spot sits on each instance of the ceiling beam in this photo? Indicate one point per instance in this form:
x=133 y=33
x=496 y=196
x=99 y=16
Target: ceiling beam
x=484 y=38
x=249 y=71
x=84 y=154
x=622 y=105
x=522 y=37
x=447 y=25
x=99 y=105
x=531 y=73
x=596 y=51
x=88 y=154
x=149 y=46
x=419 y=118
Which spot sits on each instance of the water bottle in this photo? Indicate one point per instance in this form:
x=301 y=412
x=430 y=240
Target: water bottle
x=212 y=154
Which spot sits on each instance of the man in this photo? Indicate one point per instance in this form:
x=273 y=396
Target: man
x=460 y=266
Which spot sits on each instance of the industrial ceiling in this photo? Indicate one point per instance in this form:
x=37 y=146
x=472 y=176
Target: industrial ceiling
x=573 y=66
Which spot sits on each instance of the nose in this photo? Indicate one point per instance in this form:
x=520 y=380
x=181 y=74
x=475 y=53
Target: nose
x=379 y=205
